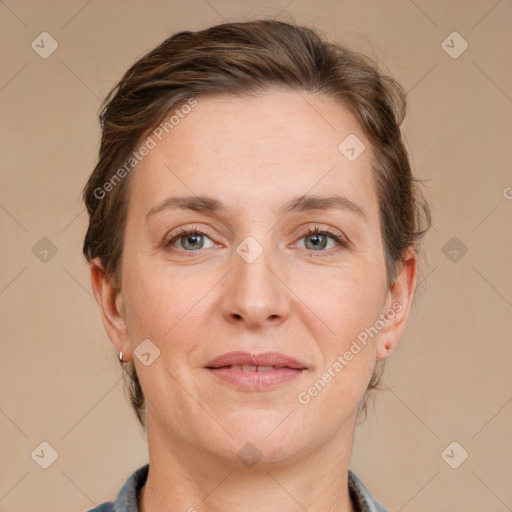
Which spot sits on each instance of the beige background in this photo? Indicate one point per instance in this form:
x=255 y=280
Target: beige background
x=450 y=379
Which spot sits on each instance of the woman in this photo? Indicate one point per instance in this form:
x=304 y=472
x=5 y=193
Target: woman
x=253 y=246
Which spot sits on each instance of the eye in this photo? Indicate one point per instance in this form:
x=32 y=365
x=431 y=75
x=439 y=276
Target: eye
x=317 y=240
x=189 y=239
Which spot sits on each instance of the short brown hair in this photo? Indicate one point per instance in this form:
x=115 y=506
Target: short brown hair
x=246 y=59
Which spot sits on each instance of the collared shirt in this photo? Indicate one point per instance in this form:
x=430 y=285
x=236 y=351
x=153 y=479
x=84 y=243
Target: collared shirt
x=127 y=499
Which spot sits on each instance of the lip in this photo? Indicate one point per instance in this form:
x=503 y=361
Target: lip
x=264 y=359
x=285 y=369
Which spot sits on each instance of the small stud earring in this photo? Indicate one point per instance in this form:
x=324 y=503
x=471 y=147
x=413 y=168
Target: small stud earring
x=121 y=356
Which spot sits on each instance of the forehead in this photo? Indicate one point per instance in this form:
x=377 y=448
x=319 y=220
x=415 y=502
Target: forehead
x=274 y=127
x=269 y=147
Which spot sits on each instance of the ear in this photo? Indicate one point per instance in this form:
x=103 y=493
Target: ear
x=110 y=301
x=398 y=304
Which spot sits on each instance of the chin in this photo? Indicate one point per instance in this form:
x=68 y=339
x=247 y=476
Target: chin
x=266 y=439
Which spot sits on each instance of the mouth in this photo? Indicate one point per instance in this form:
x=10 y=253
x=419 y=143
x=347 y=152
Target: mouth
x=250 y=362
x=249 y=368
x=255 y=372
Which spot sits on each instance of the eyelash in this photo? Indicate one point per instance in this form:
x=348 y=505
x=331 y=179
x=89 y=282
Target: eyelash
x=317 y=230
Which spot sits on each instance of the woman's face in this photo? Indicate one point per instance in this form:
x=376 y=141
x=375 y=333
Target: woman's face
x=249 y=277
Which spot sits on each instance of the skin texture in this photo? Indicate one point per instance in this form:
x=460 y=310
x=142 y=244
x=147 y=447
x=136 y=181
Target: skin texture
x=253 y=155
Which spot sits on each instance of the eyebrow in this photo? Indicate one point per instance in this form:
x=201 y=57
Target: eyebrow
x=302 y=203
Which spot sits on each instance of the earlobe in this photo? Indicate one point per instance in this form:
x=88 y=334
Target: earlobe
x=398 y=304
x=110 y=301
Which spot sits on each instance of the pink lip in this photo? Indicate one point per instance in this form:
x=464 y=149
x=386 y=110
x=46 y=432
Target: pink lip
x=264 y=359
x=286 y=369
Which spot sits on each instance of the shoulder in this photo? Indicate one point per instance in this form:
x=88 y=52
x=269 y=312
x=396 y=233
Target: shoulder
x=362 y=497
x=127 y=499
x=104 y=507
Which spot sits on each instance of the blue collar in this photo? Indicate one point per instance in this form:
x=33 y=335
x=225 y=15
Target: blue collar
x=127 y=499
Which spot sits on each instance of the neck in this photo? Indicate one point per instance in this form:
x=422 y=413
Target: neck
x=191 y=480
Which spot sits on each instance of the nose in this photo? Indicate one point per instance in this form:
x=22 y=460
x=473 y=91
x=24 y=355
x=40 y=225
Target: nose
x=255 y=291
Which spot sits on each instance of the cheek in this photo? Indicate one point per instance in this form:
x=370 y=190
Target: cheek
x=345 y=304
x=161 y=303
x=350 y=309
